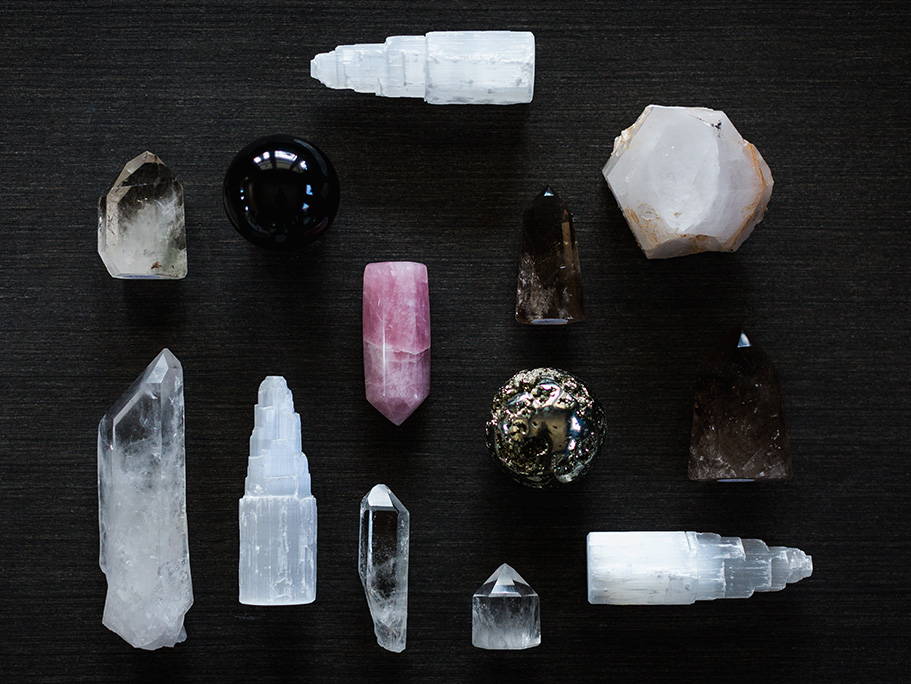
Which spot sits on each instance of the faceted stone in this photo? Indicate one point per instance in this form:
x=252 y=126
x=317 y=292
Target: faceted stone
x=383 y=565
x=739 y=433
x=281 y=192
x=277 y=513
x=505 y=613
x=443 y=67
x=142 y=516
x=679 y=568
x=545 y=427
x=549 y=290
x=141 y=231
x=396 y=329
x=687 y=182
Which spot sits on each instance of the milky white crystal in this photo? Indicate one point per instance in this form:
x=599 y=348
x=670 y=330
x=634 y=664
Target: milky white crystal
x=443 y=67
x=684 y=567
x=383 y=565
x=277 y=512
x=687 y=182
x=141 y=231
x=505 y=613
x=142 y=516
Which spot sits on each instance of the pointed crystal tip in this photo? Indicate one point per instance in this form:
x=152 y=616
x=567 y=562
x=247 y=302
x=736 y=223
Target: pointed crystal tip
x=380 y=497
x=547 y=191
x=743 y=340
x=505 y=581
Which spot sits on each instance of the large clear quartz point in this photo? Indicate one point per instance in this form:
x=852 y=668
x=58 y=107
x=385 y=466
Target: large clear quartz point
x=383 y=565
x=443 y=67
x=684 y=567
x=277 y=512
x=505 y=613
x=141 y=232
x=142 y=517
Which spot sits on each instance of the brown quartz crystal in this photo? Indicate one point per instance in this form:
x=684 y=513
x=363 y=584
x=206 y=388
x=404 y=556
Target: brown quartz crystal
x=739 y=433
x=549 y=290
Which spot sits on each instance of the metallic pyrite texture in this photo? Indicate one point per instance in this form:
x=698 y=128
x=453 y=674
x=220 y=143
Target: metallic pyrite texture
x=545 y=427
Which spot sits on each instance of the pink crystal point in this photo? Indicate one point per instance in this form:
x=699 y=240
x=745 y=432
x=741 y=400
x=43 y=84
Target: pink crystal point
x=396 y=337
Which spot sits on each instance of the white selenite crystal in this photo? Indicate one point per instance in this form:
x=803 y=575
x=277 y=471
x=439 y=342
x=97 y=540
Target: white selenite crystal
x=383 y=565
x=687 y=182
x=142 y=517
x=141 y=231
x=678 y=568
x=505 y=613
x=277 y=512
x=443 y=67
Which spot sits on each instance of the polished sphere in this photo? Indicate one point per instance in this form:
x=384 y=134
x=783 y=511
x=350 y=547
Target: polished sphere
x=545 y=427
x=281 y=192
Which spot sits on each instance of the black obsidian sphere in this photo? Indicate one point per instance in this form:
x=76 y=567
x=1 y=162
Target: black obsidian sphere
x=281 y=192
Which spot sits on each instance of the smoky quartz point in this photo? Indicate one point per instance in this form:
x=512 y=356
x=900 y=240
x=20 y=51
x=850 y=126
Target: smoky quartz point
x=545 y=427
x=739 y=433
x=549 y=290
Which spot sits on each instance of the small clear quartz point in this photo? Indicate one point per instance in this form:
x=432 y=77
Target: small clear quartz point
x=505 y=613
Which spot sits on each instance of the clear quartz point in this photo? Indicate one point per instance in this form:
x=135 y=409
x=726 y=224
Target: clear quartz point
x=141 y=228
x=505 y=613
x=142 y=517
x=383 y=565
x=683 y=567
x=277 y=563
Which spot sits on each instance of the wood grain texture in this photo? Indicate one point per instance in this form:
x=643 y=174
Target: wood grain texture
x=822 y=90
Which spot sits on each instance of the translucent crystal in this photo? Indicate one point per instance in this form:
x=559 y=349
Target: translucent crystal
x=684 y=567
x=383 y=565
x=443 y=67
x=277 y=512
x=142 y=515
x=505 y=613
x=141 y=232
x=687 y=181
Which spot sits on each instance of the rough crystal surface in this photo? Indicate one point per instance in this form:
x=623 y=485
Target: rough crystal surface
x=142 y=517
x=443 y=67
x=396 y=330
x=383 y=565
x=687 y=182
x=739 y=432
x=505 y=613
x=545 y=427
x=549 y=289
x=277 y=512
x=684 y=567
x=141 y=232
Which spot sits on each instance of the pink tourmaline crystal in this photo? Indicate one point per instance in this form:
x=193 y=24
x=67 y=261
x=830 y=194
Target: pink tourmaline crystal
x=396 y=337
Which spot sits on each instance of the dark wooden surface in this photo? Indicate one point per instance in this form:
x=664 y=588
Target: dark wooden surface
x=822 y=284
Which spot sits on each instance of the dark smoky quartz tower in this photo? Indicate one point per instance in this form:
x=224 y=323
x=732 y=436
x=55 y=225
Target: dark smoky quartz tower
x=739 y=433
x=549 y=290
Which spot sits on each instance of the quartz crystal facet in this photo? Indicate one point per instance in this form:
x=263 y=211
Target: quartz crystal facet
x=142 y=517
x=505 y=613
x=443 y=67
x=396 y=335
x=383 y=565
x=678 y=568
x=687 y=182
x=739 y=433
x=141 y=231
x=549 y=290
x=281 y=192
x=545 y=427
x=277 y=512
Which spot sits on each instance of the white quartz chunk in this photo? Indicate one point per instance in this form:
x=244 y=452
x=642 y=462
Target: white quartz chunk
x=141 y=227
x=505 y=613
x=142 y=517
x=687 y=182
x=383 y=565
x=277 y=512
x=684 y=567
x=443 y=67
